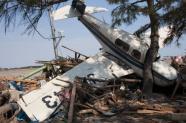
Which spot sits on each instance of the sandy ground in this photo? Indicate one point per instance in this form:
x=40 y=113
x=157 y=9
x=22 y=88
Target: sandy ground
x=16 y=72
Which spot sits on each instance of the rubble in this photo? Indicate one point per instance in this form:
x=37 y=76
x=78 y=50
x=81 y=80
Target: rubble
x=119 y=100
x=96 y=90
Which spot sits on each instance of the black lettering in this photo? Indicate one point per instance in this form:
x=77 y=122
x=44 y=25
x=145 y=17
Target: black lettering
x=48 y=103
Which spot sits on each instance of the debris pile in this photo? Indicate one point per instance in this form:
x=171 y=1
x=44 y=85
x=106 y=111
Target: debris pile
x=86 y=99
x=121 y=100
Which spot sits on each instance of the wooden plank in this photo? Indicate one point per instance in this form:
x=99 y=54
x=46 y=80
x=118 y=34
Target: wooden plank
x=72 y=100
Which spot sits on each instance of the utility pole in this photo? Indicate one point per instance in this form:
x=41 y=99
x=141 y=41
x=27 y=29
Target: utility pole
x=53 y=32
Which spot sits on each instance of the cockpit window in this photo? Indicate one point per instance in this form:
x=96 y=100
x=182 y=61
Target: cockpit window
x=136 y=54
x=122 y=44
x=118 y=42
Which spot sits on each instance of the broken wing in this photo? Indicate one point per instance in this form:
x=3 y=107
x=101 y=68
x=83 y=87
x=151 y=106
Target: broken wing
x=41 y=103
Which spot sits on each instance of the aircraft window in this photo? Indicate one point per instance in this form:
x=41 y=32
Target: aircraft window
x=136 y=54
x=122 y=44
x=118 y=42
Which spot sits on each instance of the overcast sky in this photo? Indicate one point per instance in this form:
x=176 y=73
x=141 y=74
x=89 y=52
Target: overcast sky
x=18 y=49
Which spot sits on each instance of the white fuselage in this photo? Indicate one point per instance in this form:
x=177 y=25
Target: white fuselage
x=129 y=49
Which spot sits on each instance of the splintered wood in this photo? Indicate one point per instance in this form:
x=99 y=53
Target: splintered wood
x=111 y=104
x=17 y=80
x=28 y=84
x=72 y=100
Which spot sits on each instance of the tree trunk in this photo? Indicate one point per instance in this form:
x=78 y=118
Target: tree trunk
x=152 y=51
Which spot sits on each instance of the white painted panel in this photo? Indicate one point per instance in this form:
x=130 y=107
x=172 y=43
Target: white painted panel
x=98 y=66
x=41 y=103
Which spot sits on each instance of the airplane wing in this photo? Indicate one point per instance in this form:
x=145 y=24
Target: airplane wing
x=41 y=103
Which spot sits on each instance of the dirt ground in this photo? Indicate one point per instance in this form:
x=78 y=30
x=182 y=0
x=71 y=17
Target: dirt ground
x=16 y=72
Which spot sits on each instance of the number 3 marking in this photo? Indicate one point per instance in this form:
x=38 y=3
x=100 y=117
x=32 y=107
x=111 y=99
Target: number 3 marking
x=48 y=103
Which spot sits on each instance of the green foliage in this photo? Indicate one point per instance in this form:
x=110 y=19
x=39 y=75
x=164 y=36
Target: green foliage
x=175 y=18
x=30 y=10
x=116 y=1
x=171 y=13
x=126 y=12
x=31 y=2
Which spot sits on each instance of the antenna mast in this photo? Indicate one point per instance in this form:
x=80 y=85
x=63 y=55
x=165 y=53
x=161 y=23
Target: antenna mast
x=53 y=32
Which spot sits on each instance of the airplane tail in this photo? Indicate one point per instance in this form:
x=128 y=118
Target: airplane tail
x=77 y=9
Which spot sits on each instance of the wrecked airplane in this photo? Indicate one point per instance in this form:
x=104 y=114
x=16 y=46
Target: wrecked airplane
x=40 y=104
x=123 y=45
